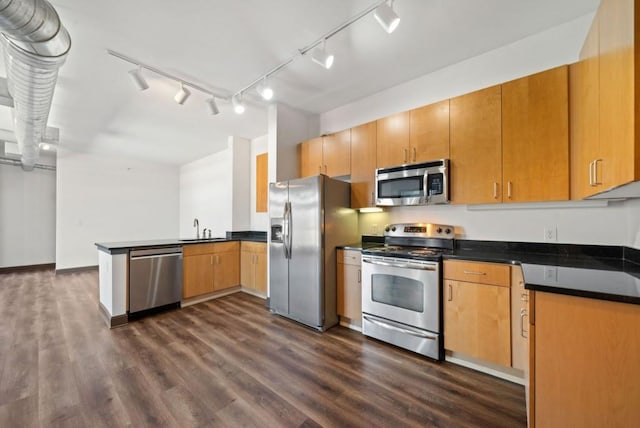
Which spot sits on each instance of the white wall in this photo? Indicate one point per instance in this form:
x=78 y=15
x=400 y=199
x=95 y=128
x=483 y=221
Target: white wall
x=101 y=199
x=259 y=221
x=216 y=190
x=205 y=194
x=27 y=216
x=616 y=224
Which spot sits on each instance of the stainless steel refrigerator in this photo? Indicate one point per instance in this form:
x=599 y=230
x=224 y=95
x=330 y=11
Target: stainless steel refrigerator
x=309 y=217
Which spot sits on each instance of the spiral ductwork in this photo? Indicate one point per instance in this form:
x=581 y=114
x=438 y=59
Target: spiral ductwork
x=35 y=45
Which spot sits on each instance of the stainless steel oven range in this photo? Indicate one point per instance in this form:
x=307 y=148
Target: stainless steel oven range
x=402 y=287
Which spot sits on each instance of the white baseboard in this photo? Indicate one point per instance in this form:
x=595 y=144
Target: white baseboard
x=506 y=373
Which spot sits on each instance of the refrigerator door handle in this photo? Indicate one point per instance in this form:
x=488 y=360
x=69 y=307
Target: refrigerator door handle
x=286 y=238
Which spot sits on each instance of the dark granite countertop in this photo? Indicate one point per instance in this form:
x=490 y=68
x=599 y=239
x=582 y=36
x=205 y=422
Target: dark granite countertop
x=123 y=247
x=368 y=241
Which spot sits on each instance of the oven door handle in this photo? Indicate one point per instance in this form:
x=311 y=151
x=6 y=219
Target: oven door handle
x=403 y=266
x=400 y=330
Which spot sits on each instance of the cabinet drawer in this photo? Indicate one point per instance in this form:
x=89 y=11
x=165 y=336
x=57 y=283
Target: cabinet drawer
x=484 y=273
x=208 y=248
x=254 y=247
x=349 y=257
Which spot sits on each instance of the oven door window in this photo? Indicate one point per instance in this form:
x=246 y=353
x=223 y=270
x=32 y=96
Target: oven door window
x=398 y=291
x=405 y=187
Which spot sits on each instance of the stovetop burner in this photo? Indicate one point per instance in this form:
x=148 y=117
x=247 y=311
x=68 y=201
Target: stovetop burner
x=418 y=241
x=416 y=253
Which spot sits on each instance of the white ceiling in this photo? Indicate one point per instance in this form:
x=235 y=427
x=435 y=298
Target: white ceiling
x=226 y=44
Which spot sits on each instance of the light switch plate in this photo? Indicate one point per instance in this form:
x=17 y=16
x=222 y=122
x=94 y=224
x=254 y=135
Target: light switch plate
x=550 y=234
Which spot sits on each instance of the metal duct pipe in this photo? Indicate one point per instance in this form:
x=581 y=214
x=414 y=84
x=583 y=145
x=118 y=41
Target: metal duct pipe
x=35 y=45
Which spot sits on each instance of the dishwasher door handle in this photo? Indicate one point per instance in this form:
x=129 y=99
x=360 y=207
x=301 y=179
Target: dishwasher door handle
x=157 y=256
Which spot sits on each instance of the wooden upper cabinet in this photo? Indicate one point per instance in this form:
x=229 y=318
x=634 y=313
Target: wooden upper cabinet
x=619 y=154
x=429 y=132
x=535 y=137
x=363 y=165
x=476 y=147
x=336 y=153
x=393 y=140
x=262 y=182
x=584 y=116
x=310 y=157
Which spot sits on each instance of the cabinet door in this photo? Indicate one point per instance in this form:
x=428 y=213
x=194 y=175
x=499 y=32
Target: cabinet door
x=584 y=122
x=310 y=157
x=260 y=272
x=477 y=322
x=393 y=140
x=618 y=148
x=247 y=272
x=476 y=147
x=349 y=291
x=197 y=274
x=429 y=132
x=363 y=165
x=336 y=153
x=226 y=270
x=535 y=137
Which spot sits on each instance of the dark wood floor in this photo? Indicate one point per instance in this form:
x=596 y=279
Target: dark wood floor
x=227 y=362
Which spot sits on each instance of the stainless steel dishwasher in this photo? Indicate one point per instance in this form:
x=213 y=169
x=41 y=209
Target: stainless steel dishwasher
x=155 y=278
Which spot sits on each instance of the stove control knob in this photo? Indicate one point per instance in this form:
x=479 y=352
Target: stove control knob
x=447 y=231
x=393 y=228
x=386 y=229
x=439 y=230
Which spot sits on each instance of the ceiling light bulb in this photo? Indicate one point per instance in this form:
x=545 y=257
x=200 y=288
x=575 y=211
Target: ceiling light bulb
x=265 y=90
x=386 y=17
x=238 y=107
x=138 y=78
x=182 y=94
x=321 y=57
x=213 y=107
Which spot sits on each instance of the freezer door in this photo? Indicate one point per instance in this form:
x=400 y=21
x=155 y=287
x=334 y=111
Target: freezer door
x=306 y=279
x=278 y=263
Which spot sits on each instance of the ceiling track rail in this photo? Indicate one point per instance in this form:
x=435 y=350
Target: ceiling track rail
x=17 y=162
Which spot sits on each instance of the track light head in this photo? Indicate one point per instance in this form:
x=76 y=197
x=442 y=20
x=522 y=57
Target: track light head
x=238 y=107
x=138 y=78
x=265 y=90
x=386 y=17
x=212 y=106
x=321 y=57
x=182 y=94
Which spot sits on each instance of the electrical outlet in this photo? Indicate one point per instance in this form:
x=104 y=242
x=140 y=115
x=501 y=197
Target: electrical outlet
x=551 y=273
x=550 y=234
x=374 y=229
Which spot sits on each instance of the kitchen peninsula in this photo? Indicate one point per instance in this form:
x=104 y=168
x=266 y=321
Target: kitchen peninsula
x=114 y=269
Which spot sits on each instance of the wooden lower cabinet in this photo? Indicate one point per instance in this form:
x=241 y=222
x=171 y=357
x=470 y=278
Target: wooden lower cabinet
x=585 y=366
x=253 y=266
x=349 y=285
x=210 y=267
x=519 y=320
x=477 y=321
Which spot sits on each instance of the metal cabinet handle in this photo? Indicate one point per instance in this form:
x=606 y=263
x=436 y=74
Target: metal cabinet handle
x=404 y=158
x=495 y=190
x=450 y=298
x=325 y=169
x=372 y=199
x=414 y=154
x=470 y=272
x=595 y=173
x=211 y=260
x=509 y=189
x=591 y=173
x=524 y=297
x=524 y=333
x=359 y=276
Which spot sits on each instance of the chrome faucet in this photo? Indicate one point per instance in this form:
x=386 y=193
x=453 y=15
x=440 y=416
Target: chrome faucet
x=204 y=233
x=196 y=224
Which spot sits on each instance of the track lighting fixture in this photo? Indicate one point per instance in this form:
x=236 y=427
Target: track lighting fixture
x=320 y=56
x=138 y=78
x=213 y=107
x=182 y=94
x=264 y=89
x=238 y=107
x=387 y=17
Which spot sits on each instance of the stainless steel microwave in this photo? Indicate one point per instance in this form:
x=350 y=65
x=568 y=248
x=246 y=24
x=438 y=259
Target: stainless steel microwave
x=422 y=183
